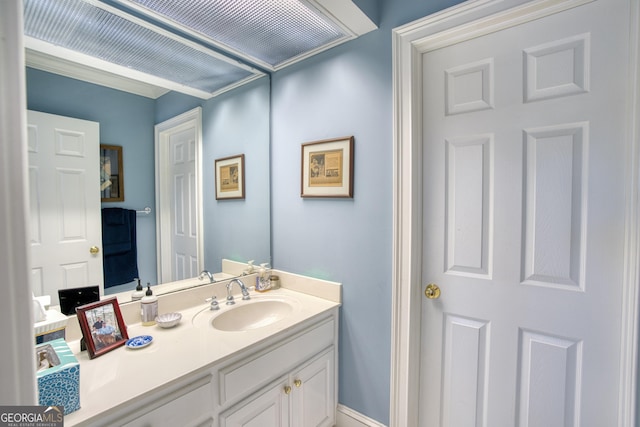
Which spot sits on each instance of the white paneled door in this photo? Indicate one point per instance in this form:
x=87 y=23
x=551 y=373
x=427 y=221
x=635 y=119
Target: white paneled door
x=179 y=196
x=64 y=190
x=184 y=204
x=524 y=198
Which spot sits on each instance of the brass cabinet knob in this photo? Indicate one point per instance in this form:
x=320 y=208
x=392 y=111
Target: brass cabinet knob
x=432 y=291
x=94 y=250
x=287 y=389
x=297 y=383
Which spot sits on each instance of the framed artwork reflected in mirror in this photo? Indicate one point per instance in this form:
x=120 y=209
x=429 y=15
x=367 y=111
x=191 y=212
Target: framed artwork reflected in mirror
x=111 y=174
x=230 y=177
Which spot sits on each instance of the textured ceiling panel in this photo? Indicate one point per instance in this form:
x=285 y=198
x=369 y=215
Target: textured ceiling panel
x=95 y=31
x=272 y=31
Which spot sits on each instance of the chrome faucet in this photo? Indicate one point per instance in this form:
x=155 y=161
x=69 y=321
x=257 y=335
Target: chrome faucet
x=204 y=273
x=243 y=289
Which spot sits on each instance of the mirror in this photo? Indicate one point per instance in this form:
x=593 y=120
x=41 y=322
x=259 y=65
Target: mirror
x=235 y=122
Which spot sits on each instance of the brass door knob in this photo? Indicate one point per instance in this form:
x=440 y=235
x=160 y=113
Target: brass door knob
x=94 y=250
x=432 y=291
x=287 y=389
x=297 y=383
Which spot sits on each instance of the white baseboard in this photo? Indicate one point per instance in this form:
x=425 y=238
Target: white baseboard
x=347 y=417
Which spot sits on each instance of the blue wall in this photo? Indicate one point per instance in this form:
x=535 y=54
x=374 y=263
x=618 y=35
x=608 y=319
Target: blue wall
x=125 y=120
x=345 y=91
x=236 y=122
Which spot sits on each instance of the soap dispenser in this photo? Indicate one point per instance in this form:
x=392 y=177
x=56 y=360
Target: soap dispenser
x=138 y=293
x=250 y=268
x=149 y=307
x=262 y=280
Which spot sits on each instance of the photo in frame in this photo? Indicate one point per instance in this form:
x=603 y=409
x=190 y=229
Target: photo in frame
x=327 y=168
x=111 y=174
x=102 y=326
x=230 y=177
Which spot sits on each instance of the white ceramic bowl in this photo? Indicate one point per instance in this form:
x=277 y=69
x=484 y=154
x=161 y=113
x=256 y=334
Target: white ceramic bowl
x=168 y=320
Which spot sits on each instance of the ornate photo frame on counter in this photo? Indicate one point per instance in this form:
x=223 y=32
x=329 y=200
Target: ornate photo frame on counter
x=327 y=168
x=102 y=326
x=230 y=177
x=111 y=174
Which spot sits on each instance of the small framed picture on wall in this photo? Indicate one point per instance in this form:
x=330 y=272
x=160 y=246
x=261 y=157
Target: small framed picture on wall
x=230 y=177
x=327 y=168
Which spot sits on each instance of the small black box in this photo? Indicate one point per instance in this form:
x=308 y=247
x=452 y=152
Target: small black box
x=75 y=297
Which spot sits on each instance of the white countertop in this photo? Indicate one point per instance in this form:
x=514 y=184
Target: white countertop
x=122 y=375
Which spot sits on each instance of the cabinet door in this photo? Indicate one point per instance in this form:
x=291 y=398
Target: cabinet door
x=255 y=371
x=313 y=396
x=269 y=408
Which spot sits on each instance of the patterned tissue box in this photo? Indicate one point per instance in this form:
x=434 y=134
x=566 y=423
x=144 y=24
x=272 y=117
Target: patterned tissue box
x=58 y=374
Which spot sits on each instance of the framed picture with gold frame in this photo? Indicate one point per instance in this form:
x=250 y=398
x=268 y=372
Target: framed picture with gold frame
x=111 y=174
x=327 y=168
x=230 y=177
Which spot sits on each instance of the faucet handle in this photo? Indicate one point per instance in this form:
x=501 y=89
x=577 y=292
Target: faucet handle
x=214 y=303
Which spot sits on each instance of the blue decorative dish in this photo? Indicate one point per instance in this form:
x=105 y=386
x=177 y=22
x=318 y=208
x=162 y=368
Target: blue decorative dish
x=139 y=342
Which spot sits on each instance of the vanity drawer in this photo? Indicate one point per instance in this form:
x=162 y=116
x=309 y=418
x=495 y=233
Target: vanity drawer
x=249 y=374
x=188 y=406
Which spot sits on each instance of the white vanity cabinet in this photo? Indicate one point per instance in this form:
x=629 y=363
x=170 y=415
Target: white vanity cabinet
x=293 y=383
x=305 y=398
x=280 y=375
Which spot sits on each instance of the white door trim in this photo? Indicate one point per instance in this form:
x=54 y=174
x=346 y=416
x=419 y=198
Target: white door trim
x=462 y=22
x=16 y=322
x=163 y=133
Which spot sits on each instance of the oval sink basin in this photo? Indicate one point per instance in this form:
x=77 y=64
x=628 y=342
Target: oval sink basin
x=247 y=315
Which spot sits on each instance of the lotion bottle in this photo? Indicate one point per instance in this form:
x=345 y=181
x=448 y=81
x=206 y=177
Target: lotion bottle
x=149 y=307
x=138 y=293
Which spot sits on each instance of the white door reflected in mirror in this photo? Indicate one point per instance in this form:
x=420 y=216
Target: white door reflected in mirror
x=179 y=196
x=64 y=203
